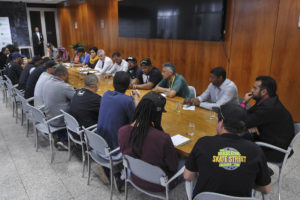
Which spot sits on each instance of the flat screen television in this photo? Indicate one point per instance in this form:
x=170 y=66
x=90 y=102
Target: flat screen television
x=173 y=19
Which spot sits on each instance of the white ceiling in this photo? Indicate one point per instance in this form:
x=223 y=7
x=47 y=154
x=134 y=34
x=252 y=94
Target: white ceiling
x=36 y=1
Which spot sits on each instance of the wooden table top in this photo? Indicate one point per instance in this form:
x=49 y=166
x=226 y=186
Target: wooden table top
x=173 y=122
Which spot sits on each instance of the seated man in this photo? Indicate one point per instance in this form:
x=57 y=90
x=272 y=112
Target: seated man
x=119 y=64
x=146 y=140
x=52 y=51
x=148 y=78
x=116 y=109
x=57 y=95
x=81 y=57
x=215 y=160
x=15 y=68
x=133 y=69
x=29 y=68
x=104 y=63
x=173 y=84
x=270 y=119
x=220 y=91
x=43 y=78
x=85 y=104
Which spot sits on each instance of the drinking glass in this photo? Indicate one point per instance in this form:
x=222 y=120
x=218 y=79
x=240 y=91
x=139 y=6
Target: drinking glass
x=178 y=106
x=192 y=128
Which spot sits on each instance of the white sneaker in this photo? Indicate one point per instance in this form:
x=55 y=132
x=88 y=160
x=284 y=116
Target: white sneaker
x=61 y=146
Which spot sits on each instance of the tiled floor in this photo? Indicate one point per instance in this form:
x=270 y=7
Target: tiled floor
x=27 y=174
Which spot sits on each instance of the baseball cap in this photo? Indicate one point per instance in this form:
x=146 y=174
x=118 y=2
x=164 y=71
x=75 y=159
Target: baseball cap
x=36 y=58
x=146 y=61
x=158 y=100
x=50 y=63
x=16 y=54
x=131 y=59
x=233 y=115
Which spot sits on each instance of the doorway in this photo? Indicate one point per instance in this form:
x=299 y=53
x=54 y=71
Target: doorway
x=46 y=19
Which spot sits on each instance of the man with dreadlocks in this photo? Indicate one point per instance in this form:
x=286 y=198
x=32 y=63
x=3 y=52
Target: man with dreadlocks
x=145 y=139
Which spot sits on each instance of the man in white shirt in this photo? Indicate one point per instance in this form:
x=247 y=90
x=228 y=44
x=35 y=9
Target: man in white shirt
x=104 y=63
x=119 y=64
x=219 y=92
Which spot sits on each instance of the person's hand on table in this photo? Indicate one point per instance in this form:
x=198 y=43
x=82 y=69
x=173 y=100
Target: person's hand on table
x=192 y=101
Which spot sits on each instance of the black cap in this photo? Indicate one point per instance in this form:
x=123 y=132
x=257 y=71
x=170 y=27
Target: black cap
x=158 y=100
x=36 y=58
x=131 y=59
x=50 y=63
x=233 y=115
x=146 y=61
x=80 y=49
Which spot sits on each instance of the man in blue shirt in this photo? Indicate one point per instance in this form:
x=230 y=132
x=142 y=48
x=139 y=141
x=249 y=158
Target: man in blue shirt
x=116 y=109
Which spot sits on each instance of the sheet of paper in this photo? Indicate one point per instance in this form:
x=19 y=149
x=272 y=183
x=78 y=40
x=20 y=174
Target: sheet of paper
x=187 y=107
x=179 y=139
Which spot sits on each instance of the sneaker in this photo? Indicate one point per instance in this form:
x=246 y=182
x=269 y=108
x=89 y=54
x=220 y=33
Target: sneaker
x=271 y=172
x=61 y=146
x=104 y=178
x=118 y=183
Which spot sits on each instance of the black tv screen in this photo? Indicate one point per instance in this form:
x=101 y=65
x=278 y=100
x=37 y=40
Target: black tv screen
x=173 y=19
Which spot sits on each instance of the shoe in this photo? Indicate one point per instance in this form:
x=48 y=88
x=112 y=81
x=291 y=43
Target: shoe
x=61 y=146
x=271 y=172
x=104 y=178
x=118 y=183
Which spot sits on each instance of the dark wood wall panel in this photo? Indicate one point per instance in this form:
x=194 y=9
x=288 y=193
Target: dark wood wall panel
x=262 y=38
x=286 y=57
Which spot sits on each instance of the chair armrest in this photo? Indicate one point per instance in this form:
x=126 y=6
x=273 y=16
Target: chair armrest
x=263 y=144
x=30 y=99
x=91 y=127
x=16 y=85
x=54 y=118
x=189 y=186
x=265 y=196
x=114 y=151
x=176 y=175
x=40 y=107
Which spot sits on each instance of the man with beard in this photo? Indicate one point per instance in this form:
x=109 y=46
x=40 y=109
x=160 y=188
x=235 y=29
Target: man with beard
x=268 y=120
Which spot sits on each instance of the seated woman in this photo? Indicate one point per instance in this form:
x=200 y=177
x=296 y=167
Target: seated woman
x=144 y=139
x=93 y=57
x=81 y=57
x=62 y=55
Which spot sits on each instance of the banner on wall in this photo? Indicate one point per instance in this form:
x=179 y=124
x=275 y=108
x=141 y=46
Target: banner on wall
x=5 y=34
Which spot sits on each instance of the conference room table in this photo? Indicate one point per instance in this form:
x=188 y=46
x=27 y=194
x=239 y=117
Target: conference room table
x=175 y=121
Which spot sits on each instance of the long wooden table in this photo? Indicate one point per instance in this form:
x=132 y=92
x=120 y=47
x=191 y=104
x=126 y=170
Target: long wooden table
x=173 y=122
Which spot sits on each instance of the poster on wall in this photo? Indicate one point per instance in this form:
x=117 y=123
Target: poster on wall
x=5 y=35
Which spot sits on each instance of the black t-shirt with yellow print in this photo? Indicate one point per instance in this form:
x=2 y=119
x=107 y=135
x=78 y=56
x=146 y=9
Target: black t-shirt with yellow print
x=228 y=164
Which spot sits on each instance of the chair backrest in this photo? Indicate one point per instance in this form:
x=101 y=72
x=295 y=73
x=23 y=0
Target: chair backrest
x=139 y=167
x=24 y=103
x=217 y=196
x=297 y=133
x=71 y=122
x=38 y=115
x=192 y=91
x=95 y=141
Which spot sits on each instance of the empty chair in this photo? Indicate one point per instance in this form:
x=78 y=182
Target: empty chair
x=192 y=91
x=287 y=152
x=42 y=125
x=149 y=173
x=95 y=144
x=73 y=129
x=217 y=196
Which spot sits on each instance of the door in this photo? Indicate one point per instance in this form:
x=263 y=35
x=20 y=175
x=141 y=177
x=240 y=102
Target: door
x=47 y=21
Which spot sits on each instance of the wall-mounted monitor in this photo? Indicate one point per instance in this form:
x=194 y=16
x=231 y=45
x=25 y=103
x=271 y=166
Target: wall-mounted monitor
x=173 y=19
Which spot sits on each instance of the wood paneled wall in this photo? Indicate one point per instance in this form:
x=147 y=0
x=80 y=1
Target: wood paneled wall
x=262 y=38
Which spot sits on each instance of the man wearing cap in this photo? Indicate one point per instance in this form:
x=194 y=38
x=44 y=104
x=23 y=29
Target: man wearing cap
x=133 y=69
x=29 y=68
x=119 y=64
x=52 y=51
x=220 y=91
x=34 y=76
x=227 y=163
x=15 y=68
x=47 y=73
x=173 y=84
x=104 y=63
x=148 y=78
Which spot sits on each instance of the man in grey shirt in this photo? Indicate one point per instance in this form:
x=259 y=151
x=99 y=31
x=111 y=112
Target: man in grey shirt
x=52 y=51
x=219 y=92
x=57 y=94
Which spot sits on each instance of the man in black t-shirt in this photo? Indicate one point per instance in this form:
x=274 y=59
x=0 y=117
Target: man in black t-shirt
x=227 y=163
x=15 y=68
x=148 y=78
x=133 y=69
x=85 y=103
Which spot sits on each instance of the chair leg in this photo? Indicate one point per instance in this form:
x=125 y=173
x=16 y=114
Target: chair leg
x=83 y=160
x=167 y=192
x=51 y=147
x=27 y=128
x=17 y=113
x=279 y=182
x=22 y=117
x=36 y=140
x=69 y=149
x=89 y=169
x=126 y=184
x=111 y=182
x=13 y=109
